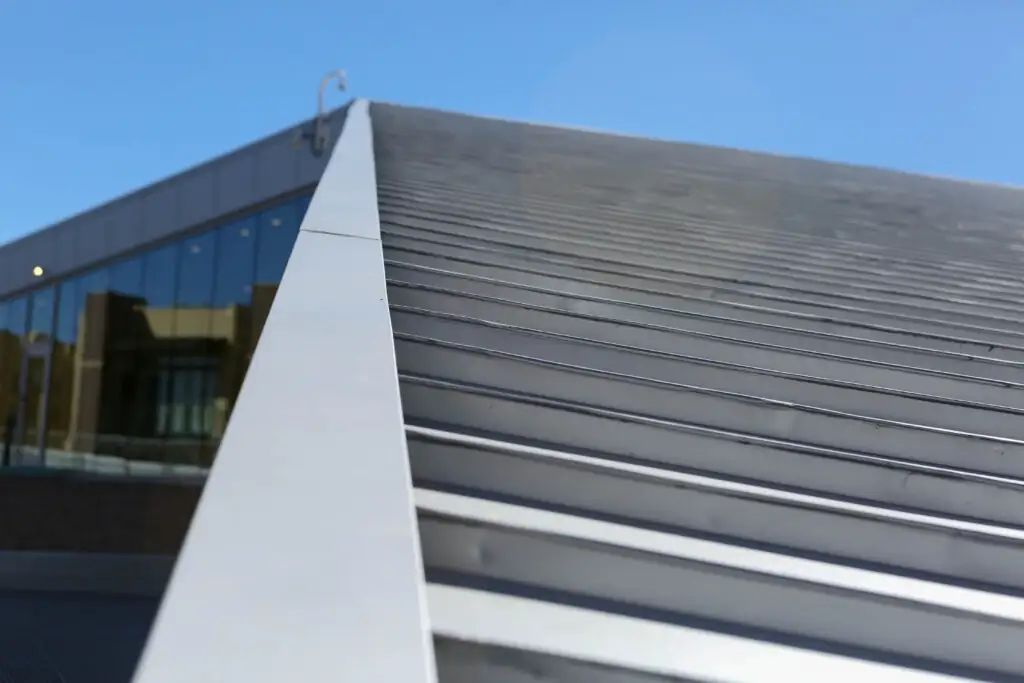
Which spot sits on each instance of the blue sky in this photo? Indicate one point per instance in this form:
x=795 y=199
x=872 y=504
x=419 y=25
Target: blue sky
x=101 y=97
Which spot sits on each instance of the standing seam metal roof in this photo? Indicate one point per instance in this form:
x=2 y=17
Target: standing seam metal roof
x=758 y=396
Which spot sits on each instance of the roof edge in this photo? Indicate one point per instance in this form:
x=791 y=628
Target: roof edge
x=779 y=156
x=219 y=158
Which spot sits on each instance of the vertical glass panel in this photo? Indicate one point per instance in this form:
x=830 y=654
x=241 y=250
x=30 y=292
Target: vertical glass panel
x=278 y=229
x=140 y=324
x=92 y=311
x=13 y=333
x=17 y=316
x=232 y=322
x=196 y=276
x=40 y=314
x=128 y=323
x=4 y=342
x=61 y=423
x=95 y=282
x=236 y=260
x=68 y=313
x=301 y=204
x=126 y=276
x=197 y=343
x=32 y=384
x=159 y=277
x=9 y=346
x=32 y=408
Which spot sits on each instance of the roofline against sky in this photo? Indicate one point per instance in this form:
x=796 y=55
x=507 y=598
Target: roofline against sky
x=727 y=148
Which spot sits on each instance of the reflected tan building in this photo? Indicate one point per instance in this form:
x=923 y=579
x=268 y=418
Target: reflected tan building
x=137 y=363
x=130 y=358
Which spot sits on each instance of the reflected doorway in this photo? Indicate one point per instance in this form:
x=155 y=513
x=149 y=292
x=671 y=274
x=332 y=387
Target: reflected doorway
x=29 y=443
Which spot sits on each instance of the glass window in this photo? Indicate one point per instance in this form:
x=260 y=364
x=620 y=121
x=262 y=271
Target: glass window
x=64 y=375
x=278 y=229
x=301 y=205
x=149 y=354
x=159 y=281
x=14 y=330
x=184 y=409
x=76 y=408
x=10 y=362
x=126 y=277
x=3 y=335
x=236 y=259
x=232 y=302
x=127 y=324
x=67 y=312
x=17 y=314
x=198 y=268
x=96 y=283
x=91 y=292
x=40 y=314
x=199 y=344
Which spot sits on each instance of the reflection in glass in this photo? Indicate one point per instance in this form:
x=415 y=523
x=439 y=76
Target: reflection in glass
x=159 y=276
x=148 y=353
x=236 y=247
x=187 y=373
x=301 y=204
x=31 y=409
x=13 y=333
x=126 y=276
x=17 y=312
x=94 y=282
x=40 y=314
x=196 y=275
x=8 y=373
x=63 y=392
x=278 y=230
x=232 y=299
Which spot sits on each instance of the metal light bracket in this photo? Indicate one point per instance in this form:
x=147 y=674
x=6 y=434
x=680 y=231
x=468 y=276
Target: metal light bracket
x=318 y=134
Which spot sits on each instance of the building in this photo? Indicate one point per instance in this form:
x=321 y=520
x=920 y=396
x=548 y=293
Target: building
x=526 y=403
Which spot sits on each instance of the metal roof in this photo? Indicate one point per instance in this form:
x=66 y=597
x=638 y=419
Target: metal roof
x=788 y=378
x=671 y=412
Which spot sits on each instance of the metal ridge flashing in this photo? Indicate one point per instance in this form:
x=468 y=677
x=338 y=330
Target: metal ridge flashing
x=284 y=575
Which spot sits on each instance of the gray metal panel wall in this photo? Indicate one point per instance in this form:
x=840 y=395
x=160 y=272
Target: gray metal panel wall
x=248 y=176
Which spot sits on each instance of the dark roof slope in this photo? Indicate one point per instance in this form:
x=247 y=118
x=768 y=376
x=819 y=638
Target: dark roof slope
x=814 y=360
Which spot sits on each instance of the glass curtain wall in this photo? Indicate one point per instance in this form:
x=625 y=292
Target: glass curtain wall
x=144 y=357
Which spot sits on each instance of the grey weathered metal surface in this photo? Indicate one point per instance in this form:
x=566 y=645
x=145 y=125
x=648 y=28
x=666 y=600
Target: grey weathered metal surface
x=615 y=351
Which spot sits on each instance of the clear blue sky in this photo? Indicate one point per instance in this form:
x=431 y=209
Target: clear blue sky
x=98 y=97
